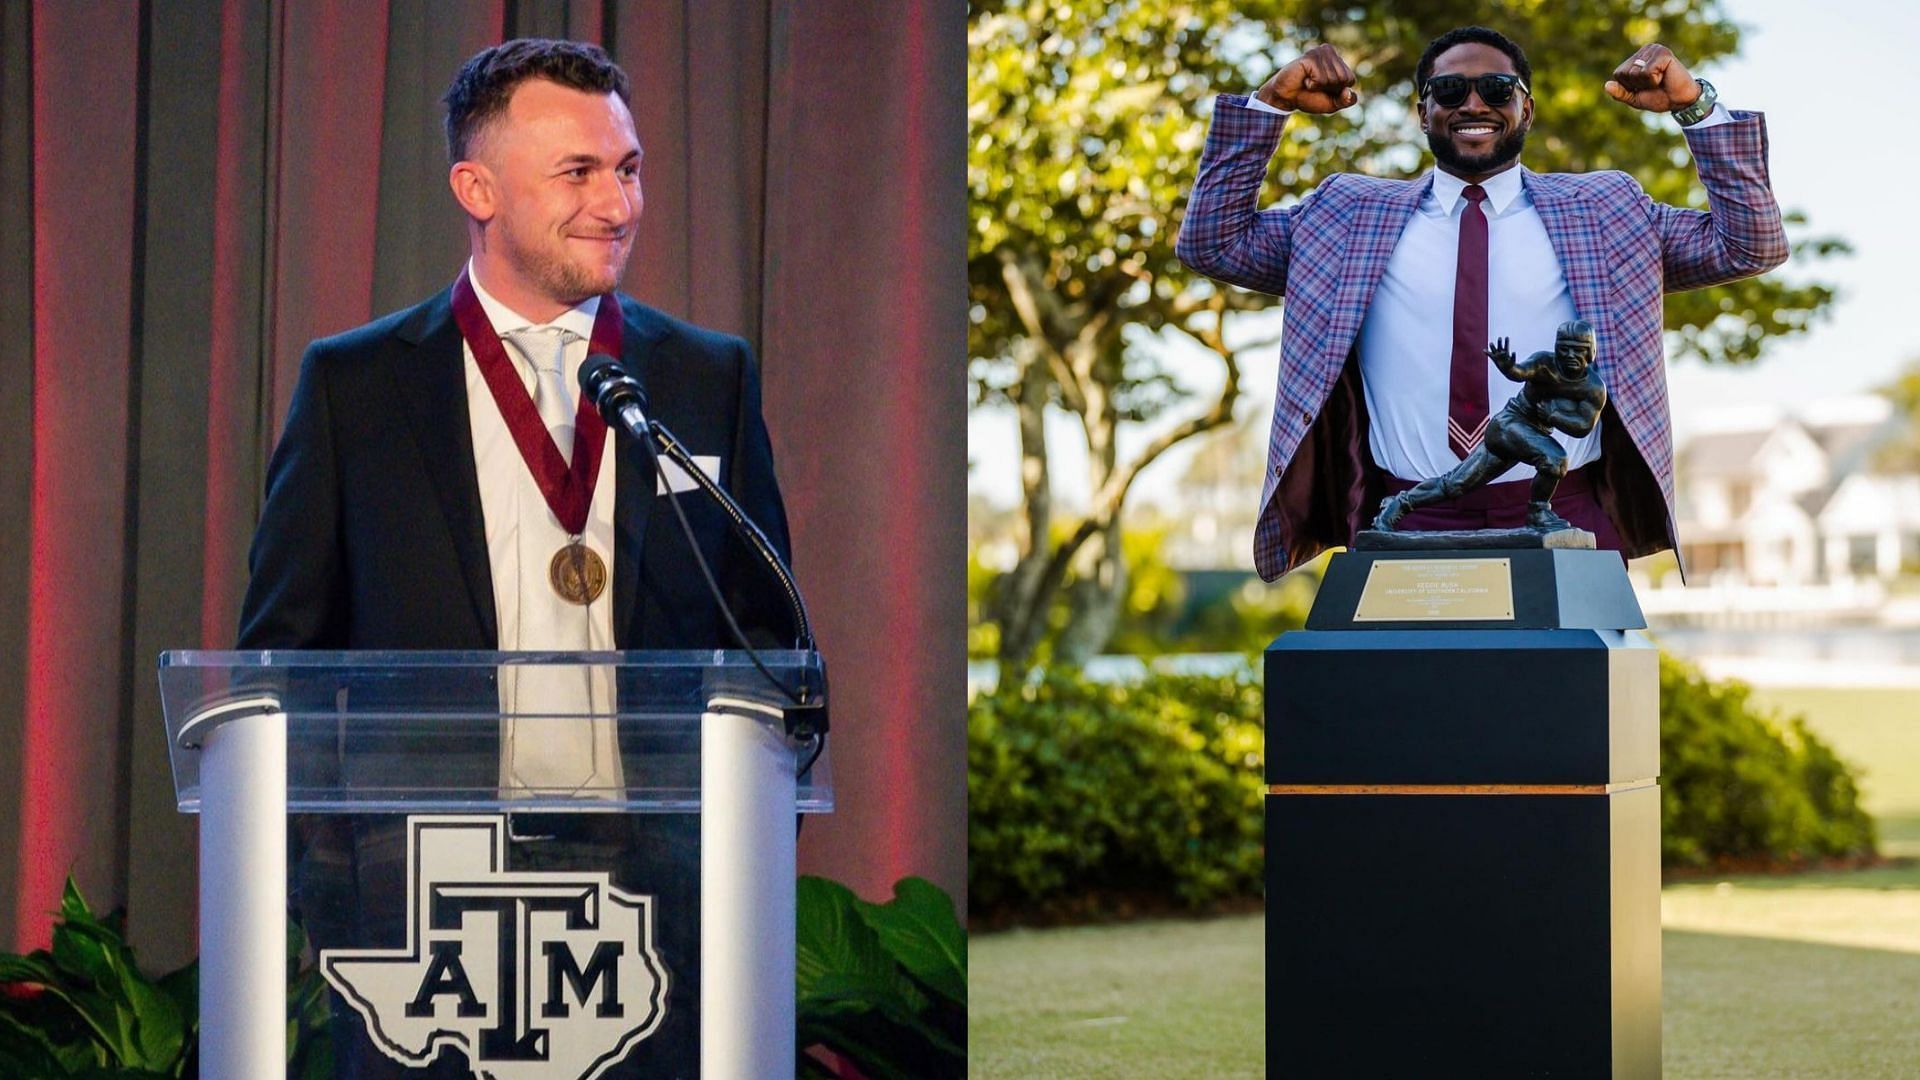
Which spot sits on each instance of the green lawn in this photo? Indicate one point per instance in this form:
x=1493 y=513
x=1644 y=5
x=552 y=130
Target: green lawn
x=1807 y=975
x=1763 y=981
x=1150 y=999
x=1813 y=975
x=1751 y=1007
x=1878 y=730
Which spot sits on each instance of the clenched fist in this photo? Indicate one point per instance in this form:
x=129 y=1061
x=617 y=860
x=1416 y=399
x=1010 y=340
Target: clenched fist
x=1653 y=80
x=1319 y=82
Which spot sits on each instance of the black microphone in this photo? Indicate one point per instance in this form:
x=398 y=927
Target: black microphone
x=618 y=396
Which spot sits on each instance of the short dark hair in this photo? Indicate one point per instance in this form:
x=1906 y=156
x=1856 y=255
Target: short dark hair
x=486 y=82
x=1470 y=35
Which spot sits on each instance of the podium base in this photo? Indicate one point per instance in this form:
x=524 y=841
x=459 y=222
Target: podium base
x=1463 y=821
x=1463 y=934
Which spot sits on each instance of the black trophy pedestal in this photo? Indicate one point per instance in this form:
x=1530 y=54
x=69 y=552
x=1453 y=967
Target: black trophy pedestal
x=1463 y=821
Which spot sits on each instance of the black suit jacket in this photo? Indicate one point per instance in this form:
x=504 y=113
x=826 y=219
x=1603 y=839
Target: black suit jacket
x=372 y=537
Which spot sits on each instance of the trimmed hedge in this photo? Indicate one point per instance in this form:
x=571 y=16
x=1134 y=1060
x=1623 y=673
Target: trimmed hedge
x=1086 y=798
x=1083 y=796
x=1737 y=786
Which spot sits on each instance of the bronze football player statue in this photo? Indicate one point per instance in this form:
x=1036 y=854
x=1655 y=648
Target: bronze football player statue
x=1563 y=392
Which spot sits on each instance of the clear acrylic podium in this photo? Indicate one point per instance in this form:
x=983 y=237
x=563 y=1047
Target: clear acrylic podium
x=423 y=736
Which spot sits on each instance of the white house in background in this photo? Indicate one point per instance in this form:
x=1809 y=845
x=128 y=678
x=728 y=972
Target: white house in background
x=1781 y=539
x=1871 y=527
x=1740 y=502
x=1758 y=501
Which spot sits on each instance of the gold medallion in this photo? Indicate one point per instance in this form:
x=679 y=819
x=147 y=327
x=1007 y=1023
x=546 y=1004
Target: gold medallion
x=577 y=573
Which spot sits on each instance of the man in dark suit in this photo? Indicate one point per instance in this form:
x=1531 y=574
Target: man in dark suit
x=437 y=472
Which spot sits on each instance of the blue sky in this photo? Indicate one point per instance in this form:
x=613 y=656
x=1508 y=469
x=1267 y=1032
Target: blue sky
x=1839 y=91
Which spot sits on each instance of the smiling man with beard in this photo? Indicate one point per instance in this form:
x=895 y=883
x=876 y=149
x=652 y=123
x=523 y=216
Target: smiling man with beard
x=1394 y=288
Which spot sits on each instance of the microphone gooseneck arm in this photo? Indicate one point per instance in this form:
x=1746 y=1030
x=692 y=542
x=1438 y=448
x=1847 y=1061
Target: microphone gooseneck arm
x=622 y=403
x=744 y=526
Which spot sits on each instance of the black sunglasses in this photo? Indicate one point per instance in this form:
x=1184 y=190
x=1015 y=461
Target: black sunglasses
x=1450 y=91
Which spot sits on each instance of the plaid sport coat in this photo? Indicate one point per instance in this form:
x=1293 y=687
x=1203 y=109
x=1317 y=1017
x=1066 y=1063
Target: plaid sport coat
x=1620 y=252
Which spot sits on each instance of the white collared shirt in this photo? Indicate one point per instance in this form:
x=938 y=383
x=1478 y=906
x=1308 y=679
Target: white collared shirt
x=1406 y=345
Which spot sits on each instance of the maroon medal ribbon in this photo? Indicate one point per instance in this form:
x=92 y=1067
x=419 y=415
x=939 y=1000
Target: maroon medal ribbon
x=568 y=490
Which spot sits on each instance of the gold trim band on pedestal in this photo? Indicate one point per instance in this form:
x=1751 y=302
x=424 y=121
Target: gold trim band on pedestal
x=1461 y=789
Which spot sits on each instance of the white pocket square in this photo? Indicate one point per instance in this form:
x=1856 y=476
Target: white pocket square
x=674 y=478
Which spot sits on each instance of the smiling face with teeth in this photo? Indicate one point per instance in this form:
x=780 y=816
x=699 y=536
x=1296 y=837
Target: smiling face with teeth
x=1476 y=140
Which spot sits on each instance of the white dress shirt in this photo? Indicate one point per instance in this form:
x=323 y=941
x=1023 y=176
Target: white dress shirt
x=1406 y=354
x=522 y=537
x=1406 y=345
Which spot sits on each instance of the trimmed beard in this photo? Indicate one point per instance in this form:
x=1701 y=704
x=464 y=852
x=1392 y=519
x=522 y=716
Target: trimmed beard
x=1504 y=152
x=560 y=278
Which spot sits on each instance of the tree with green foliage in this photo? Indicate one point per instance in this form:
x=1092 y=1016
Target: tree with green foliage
x=1902 y=454
x=1085 y=124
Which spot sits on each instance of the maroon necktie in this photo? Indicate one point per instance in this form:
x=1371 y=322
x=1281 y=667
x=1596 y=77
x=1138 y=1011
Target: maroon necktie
x=1467 y=390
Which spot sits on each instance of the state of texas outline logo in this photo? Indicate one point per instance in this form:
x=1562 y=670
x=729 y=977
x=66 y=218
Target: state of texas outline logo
x=531 y=974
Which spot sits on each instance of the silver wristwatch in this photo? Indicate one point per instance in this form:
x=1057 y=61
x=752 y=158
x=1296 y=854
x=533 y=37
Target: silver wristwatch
x=1701 y=106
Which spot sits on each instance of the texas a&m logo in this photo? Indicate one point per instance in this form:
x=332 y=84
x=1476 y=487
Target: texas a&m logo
x=530 y=974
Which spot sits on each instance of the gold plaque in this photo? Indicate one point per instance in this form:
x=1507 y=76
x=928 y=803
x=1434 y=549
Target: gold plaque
x=1437 y=590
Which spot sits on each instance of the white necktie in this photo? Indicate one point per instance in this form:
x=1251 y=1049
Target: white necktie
x=550 y=756
x=545 y=347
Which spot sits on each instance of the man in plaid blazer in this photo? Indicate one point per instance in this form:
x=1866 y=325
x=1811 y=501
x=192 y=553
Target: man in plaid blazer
x=1348 y=255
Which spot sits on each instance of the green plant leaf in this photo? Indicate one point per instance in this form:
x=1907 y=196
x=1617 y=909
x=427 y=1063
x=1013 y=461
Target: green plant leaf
x=855 y=1023
x=59 y=1025
x=97 y=1014
x=36 y=967
x=841 y=993
x=88 y=1010
x=885 y=1048
x=832 y=940
x=315 y=1060
x=160 y=1024
x=73 y=906
x=28 y=1051
x=296 y=947
x=919 y=929
x=1083 y=794
x=149 y=1024
x=81 y=949
x=854 y=997
x=23 y=1062
x=309 y=1013
x=182 y=986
